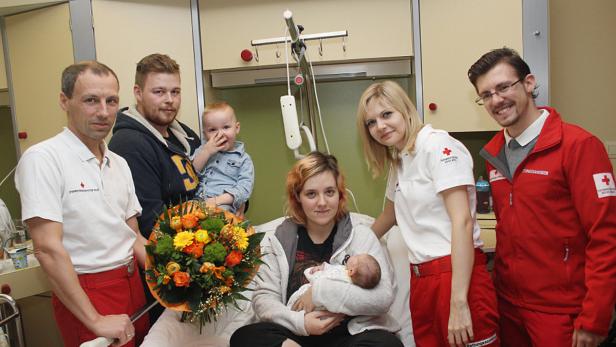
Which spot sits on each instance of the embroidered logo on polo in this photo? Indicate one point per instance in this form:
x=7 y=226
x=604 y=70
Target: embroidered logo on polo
x=536 y=172
x=495 y=175
x=448 y=157
x=83 y=188
x=604 y=182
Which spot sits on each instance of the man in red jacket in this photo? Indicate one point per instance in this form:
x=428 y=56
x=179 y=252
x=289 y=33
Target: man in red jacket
x=555 y=204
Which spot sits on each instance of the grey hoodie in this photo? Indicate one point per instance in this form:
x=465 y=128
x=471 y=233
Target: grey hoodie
x=369 y=307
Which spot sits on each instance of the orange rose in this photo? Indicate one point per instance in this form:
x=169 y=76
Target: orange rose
x=233 y=258
x=195 y=249
x=176 y=223
x=190 y=221
x=181 y=279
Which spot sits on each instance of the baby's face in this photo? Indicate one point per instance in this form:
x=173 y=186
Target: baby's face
x=221 y=123
x=353 y=263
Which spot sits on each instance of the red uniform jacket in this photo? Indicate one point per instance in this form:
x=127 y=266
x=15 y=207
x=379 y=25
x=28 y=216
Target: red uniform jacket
x=556 y=225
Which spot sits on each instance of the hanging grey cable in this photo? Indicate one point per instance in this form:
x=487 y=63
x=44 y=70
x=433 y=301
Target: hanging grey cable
x=316 y=98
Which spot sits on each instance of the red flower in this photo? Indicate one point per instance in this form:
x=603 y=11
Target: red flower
x=181 y=279
x=195 y=249
x=233 y=258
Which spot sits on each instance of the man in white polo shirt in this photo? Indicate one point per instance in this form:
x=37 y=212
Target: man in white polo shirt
x=78 y=199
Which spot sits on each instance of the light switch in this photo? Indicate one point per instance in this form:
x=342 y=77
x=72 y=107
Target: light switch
x=611 y=149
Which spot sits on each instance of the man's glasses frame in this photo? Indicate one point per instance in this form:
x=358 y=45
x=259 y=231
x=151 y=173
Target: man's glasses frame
x=500 y=90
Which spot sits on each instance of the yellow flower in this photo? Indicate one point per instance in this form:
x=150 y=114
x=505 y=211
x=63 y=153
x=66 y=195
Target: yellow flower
x=202 y=236
x=183 y=239
x=224 y=289
x=241 y=238
x=172 y=267
x=166 y=279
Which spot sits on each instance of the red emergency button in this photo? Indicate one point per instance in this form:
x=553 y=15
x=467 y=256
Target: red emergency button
x=246 y=55
x=22 y=135
x=432 y=106
x=5 y=289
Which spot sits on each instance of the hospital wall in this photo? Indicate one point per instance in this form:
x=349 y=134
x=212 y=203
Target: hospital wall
x=582 y=69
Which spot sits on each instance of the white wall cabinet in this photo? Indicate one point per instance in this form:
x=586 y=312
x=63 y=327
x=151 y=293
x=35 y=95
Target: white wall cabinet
x=454 y=34
x=141 y=33
x=377 y=30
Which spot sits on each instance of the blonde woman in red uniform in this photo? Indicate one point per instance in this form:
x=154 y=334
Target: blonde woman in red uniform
x=431 y=196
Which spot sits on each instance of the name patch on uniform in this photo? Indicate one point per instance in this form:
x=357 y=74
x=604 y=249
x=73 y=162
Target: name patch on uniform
x=535 y=172
x=496 y=176
x=448 y=156
x=604 y=182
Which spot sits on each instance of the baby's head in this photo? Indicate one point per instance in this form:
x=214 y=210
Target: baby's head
x=219 y=118
x=364 y=270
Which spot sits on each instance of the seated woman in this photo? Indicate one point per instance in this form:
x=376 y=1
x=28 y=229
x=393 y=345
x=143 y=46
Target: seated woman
x=318 y=229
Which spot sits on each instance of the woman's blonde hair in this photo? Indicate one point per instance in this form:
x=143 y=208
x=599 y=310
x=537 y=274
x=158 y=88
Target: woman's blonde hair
x=391 y=94
x=313 y=164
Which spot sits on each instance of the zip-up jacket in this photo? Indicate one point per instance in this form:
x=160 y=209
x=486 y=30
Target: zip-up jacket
x=368 y=307
x=162 y=172
x=556 y=225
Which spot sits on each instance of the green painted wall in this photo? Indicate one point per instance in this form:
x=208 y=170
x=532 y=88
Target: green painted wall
x=8 y=160
x=258 y=110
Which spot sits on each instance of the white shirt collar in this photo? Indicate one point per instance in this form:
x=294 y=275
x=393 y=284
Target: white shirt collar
x=531 y=132
x=82 y=150
x=422 y=135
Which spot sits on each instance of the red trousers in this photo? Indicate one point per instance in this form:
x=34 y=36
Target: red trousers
x=115 y=291
x=522 y=327
x=430 y=301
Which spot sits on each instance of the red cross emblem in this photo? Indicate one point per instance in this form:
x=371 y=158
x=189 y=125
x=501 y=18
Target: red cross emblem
x=82 y=185
x=447 y=151
x=605 y=180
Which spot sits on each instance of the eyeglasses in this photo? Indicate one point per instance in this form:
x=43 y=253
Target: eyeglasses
x=500 y=90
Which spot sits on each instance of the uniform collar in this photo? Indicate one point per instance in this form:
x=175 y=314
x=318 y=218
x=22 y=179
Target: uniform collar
x=550 y=134
x=84 y=153
x=421 y=139
x=531 y=132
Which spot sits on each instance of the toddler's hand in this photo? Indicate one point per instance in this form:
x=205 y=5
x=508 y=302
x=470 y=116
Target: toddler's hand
x=215 y=144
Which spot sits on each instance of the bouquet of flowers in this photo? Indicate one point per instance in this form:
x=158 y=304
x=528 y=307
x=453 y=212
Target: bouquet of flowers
x=200 y=259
